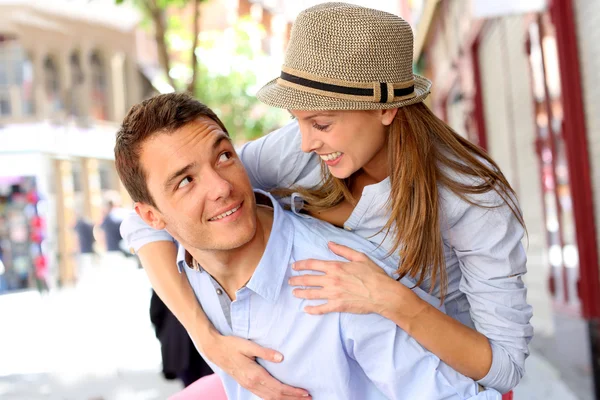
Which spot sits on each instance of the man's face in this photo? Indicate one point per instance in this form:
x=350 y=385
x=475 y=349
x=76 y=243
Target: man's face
x=202 y=192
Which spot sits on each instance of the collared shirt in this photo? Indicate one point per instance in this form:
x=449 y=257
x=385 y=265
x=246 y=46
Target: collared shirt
x=333 y=356
x=484 y=257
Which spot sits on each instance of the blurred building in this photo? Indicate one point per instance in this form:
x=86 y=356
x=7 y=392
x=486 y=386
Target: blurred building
x=68 y=73
x=520 y=79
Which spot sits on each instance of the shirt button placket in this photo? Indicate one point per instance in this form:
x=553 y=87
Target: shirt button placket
x=240 y=318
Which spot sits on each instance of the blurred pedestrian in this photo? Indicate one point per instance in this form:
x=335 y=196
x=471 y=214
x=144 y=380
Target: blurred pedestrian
x=87 y=256
x=180 y=359
x=113 y=216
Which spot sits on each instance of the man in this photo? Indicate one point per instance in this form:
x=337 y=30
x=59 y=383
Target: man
x=113 y=216
x=175 y=158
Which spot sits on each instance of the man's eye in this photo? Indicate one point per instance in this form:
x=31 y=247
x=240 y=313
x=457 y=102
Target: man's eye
x=186 y=181
x=224 y=157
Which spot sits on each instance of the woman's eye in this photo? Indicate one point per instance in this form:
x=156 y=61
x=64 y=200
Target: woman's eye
x=186 y=181
x=224 y=157
x=320 y=127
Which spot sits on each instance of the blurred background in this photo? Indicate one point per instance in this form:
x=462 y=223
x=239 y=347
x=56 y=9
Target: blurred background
x=519 y=78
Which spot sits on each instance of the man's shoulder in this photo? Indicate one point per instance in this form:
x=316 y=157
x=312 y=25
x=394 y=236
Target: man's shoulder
x=312 y=235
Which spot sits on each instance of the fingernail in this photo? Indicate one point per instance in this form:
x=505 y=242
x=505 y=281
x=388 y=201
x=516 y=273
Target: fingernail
x=294 y=266
x=278 y=357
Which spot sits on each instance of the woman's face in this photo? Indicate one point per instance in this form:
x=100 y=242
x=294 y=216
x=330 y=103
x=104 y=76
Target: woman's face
x=347 y=141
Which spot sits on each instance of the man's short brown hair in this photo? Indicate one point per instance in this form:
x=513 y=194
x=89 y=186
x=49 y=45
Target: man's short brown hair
x=164 y=113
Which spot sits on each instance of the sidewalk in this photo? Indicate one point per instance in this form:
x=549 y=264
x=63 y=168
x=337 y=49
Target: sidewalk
x=542 y=382
x=90 y=342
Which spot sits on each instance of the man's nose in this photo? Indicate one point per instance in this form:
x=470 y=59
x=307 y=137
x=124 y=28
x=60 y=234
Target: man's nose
x=219 y=187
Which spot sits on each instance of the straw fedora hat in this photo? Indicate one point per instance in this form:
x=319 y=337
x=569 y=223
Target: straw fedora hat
x=346 y=57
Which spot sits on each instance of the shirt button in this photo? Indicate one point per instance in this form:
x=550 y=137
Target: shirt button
x=219 y=292
x=347 y=228
x=131 y=250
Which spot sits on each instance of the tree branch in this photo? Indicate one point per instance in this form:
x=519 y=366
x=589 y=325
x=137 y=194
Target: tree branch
x=194 y=61
x=159 y=19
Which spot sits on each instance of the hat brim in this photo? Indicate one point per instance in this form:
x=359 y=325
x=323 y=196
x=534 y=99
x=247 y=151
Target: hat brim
x=288 y=98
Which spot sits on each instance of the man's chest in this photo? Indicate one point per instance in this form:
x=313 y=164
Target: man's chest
x=311 y=345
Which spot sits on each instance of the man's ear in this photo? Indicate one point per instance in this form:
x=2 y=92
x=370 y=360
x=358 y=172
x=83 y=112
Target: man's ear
x=150 y=215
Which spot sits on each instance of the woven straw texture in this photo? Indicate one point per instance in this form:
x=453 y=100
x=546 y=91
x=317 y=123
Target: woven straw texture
x=339 y=42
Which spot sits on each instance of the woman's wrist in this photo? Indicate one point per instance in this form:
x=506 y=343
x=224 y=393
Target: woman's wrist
x=204 y=333
x=400 y=304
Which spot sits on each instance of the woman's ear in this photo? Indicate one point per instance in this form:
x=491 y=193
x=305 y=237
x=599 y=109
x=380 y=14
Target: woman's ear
x=387 y=116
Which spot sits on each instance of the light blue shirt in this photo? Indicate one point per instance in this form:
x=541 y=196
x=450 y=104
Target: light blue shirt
x=333 y=356
x=485 y=260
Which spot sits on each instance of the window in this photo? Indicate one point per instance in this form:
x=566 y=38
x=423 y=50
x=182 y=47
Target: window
x=99 y=87
x=16 y=76
x=52 y=85
x=75 y=90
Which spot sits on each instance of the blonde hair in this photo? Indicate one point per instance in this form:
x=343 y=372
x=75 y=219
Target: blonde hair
x=423 y=152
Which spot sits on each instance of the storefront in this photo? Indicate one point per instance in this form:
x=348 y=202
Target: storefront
x=22 y=235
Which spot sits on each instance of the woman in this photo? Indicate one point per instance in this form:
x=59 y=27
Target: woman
x=381 y=164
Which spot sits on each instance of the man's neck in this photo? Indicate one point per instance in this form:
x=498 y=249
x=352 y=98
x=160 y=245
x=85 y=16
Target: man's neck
x=234 y=268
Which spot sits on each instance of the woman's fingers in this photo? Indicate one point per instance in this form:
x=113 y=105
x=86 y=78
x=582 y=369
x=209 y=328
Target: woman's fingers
x=254 y=350
x=311 y=264
x=310 y=294
x=323 y=309
x=263 y=385
x=346 y=252
x=307 y=280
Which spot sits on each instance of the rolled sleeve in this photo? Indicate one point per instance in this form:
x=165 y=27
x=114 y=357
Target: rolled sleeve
x=504 y=373
x=136 y=233
x=277 y=161
x=487 y=242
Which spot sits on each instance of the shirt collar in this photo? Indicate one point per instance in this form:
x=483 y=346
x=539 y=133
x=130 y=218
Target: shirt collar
x=267 y=279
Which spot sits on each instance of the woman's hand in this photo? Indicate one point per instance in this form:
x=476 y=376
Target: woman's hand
x=237 y=357
x=359 y=286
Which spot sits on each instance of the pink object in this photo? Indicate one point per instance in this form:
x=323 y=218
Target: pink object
x=206 y=388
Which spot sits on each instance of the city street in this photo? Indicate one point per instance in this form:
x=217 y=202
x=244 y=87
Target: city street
x=96 y=342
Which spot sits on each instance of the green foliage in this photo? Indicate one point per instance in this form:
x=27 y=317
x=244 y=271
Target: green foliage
x=227 y=64
x=228 y=84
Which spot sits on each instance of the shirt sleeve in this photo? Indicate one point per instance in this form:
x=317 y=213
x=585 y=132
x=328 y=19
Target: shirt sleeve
x=136 y=233
x=487 y=242
x=399 y=366
x=277 y=161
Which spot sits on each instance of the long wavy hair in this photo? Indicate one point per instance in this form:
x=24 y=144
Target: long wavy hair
x=423 y=152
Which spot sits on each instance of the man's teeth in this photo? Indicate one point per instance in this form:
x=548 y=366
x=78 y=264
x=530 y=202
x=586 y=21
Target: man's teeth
x=330 y=156
x=225 y=214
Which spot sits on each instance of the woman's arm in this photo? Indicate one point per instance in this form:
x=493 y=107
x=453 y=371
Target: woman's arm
x=491 y=257
x=361 y=286
x=236 y=356
x=464 y=349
